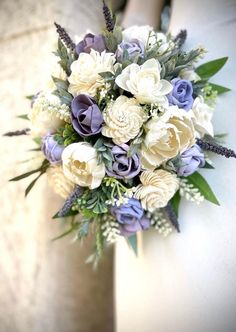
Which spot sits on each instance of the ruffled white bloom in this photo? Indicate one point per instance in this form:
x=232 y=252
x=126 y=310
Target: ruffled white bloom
x=157 y=188
x=59 y=183
x=166 y=137
x=45 y=114
x=202 y=117
x=85 y=71
x=189 y=74
x=144 y=82
x=141 y=33
x=123 y=119
x=80 y=165
x=58 y=72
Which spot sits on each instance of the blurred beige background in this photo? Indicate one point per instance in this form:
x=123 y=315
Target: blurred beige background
x=44 y=286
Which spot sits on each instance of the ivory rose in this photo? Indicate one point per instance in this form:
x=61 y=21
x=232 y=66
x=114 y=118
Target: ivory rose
x=157 y=188
x=80 y=165
x=202 y=117
x=123 y=119
x=144 y=82
x=166 y=137
x=85 y=71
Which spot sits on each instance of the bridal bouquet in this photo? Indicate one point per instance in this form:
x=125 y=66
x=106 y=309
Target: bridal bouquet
x=125 y=126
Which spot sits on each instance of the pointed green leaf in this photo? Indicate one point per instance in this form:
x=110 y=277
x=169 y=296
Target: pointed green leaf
x=210 y=68
x=208 y=166
x=69 y=214
x=30 y=186
x=199 y=182
x=25 y=175
x=133 y=243
x=220 y=89
x=175 y=202
x=23 y=116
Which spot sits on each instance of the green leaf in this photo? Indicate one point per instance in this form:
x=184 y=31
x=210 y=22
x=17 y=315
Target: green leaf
x=69 y=214
x=25 y=175
x=70 y=230
x=220 y=89
x=208 y=166
x=23 y=116
x=30 y=186
x=199 y=182
x=175 y=202
x=210 y=68
x=133 y=243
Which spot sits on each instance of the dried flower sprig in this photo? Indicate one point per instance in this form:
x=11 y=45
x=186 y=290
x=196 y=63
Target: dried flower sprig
x=109 y=18
x=181 y=38
x=17 y=132
x=216 y=148
x=65 y=37
x=69 y=202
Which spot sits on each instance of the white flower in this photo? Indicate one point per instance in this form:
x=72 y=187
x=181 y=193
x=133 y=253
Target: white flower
x=144 y=82
x=157 y=188
x=141 y=33
x=57 y=180
x=85 y=76
x=123 y=119
x=166 y=137
x=202 y=117
x=43 y=115
x=80 y=165
x=189 y=74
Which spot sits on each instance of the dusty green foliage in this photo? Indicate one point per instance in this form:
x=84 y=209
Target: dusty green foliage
x=67 y=135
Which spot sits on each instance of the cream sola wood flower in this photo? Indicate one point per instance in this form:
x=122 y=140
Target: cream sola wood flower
x=166 y=137
x=157 y=188
x=59 y=182
x=85 y=71
x=202 y=117
x=144 y=83
x=80 y=165
x=123 y=119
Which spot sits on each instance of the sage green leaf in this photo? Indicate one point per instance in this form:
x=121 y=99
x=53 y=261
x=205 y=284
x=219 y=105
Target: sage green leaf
x=210 y=68
x=69 y=214
x=175 y=202
x=199 y=182
x=30 y=186
x=133 y=243
x=208 y=166
x=220 y=89
x=23 y=116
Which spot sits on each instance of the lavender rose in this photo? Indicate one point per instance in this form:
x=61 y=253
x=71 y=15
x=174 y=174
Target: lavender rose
x=124 y=166
x=131 y=217
x=90 y=41
x=182 y=94
x=86 y=117
x=51 y=149
x=134 y=48
x=192 y=159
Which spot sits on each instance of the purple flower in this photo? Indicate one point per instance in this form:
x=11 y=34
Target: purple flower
x=191 y=160
x=124 y=166
x=90 y=41
x=51 y=149
x=86 y=116
x=131 y=217
x=133 y=48
x=182 y=94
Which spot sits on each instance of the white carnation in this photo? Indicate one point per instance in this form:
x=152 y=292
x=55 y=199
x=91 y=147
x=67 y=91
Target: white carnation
x=57 y=180
x=157 y=188
x=123 y=119
x=80 y=165
x=45 y=114
x=202 y=117
x=144 y=82
x=85 y=71
x=166 y=137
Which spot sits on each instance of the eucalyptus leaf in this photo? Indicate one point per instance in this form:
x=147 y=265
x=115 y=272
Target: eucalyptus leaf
x=199 y=182
x=220 y=89
x=133 y=243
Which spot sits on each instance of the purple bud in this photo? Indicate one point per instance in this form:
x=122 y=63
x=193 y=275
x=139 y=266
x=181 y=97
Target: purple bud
x=131 y=217
x=90 y=41
x=51 y=149
x=124 y=166
x=86 y=117
x=182 y=94
x=133 y=48
x=191 y=160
